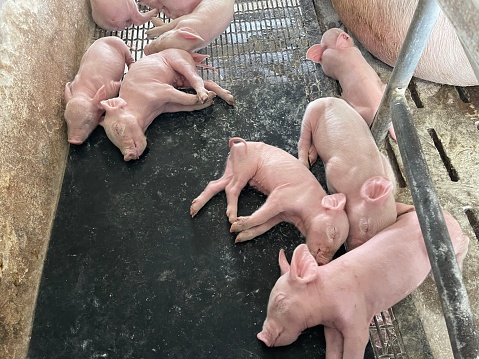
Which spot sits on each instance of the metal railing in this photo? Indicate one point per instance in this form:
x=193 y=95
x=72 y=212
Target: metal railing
x=447 y=275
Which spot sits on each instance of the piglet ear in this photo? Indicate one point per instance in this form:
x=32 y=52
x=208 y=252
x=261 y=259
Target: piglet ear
x=335 y=201
x=113 y=104
x=376 y=189
x=343 y=40
x=315 y=53
x=68 y=91
x=189 y=34
x=303 y=265
x=100 y=95
x=283 y=262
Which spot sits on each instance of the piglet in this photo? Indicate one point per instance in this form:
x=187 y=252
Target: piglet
x=192 y=31
x=117 y=15
x=340 y=59
x=150 y=89
x=354 y=166
x=346 y=293
x=294 y=196
x=98 y=79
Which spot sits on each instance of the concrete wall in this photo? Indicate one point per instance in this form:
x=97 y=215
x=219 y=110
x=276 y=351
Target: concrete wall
x=41 y=44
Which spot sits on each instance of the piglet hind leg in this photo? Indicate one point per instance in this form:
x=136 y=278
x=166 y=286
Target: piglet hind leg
x=233 y=190
x=221 y=92
x=213 y=188
x=256 y=231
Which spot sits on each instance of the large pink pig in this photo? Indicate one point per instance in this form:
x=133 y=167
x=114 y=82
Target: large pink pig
x=294 y=196
x=340 y=59
x=346 y=293
x=381 y=26
x=117 y=15
x=98 y=78
x=192 y=31
x=355 y=168
x=150 y=89
x=174 y=8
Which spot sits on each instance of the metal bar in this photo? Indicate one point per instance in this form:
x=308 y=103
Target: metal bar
x=448 y=278
x=421 y=26
x=463 y=15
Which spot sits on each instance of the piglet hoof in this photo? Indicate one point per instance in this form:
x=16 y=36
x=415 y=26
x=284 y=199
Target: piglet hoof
x=239 y=225
x=203 y=95
x=193 y=209
x=228 y=97
x=243 y=237
x=208 y=102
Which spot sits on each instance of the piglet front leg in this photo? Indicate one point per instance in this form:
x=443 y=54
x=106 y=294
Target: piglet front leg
x=160 y=27
x=182 y=101
x=253 y=232
x=270 y=209
x=188 y=70
x=334 y=343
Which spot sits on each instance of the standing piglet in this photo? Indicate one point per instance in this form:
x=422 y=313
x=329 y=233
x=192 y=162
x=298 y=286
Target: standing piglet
x=192 y=31
x=294 y=196
x=354 y=166
x=98 y=79
x=346 y=293
x=117 y=15
x=341 y=60
x=149 y=89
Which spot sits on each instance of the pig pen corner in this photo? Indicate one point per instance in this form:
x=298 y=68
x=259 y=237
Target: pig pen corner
x=96 y=254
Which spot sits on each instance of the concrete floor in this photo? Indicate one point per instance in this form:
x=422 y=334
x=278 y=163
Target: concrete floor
x=33 y=154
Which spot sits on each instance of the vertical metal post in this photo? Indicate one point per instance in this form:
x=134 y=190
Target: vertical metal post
x=448 y=278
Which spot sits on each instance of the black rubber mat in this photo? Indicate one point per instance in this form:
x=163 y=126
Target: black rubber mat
x=129 y=274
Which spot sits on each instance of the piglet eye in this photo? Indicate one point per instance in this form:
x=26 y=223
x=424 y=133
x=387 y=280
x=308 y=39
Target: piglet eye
x=364 y=225
x=331 y=233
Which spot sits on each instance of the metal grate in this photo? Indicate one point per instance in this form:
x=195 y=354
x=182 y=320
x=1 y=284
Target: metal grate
x=267 y=42
x=385 y=337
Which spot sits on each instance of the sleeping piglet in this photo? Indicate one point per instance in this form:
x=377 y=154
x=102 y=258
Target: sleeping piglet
x=98 y=78
x=341 y=60
x=294 y=196
x=149 y=89
x=346 y=293
x=117 y=15
x=192 y=31
x=353 y=167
